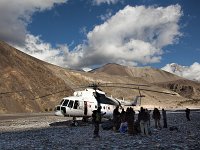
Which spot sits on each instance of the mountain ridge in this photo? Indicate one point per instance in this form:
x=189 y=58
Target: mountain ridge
x=149 y=74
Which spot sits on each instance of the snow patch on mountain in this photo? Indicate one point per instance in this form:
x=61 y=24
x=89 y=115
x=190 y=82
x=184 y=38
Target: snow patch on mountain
x=189 y=72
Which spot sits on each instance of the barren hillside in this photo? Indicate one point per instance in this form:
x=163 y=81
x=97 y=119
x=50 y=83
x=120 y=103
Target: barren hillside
x=23 y=79
x=186 y=88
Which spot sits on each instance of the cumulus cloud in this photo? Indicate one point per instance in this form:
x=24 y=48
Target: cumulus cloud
x=189 y=72
x=35 y=47
x=131 y=36
x=106 y=16
x=98 y=2
x=134 y=35
x=15 y=15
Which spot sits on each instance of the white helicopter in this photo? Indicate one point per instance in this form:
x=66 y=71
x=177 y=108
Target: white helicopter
x=82 y=103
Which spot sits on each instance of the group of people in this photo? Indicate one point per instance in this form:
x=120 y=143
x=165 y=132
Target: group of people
x=125 y=121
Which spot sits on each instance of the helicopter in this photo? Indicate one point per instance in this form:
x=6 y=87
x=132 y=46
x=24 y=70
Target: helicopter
x=83 y=103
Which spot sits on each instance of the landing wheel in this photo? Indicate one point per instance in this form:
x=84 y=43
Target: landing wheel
x=74 y=122
x=85 y=119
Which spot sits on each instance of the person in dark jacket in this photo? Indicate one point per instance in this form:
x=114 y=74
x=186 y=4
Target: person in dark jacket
x=130 y=113
x=156 y=116
x=96 y=119
x=164 y=115
x=187 y=111
x=143 y=118
x=123 y=116
x=116 y=119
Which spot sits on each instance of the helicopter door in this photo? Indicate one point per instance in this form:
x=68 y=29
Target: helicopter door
x=85 y=108
x=77 y=109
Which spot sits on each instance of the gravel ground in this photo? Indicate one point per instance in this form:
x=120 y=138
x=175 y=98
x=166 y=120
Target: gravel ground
x=51 y=132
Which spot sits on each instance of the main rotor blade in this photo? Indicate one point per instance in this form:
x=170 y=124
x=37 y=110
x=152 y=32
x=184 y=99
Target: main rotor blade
x=50 y=94
x=129 y=84
x=31 y=89
x=141 y=89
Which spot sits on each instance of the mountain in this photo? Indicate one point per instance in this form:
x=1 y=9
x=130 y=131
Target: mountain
x=146 y=73
x=31 y=85
x=21 y=72
x=186 y=88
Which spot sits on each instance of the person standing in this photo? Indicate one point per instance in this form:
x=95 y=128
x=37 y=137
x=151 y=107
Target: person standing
x=123 y=125
x=156 y=117
x=164 y=115
x=187 y=111
x=116 y=119
x=96 y=118
x=130 y=120
x=143 y=120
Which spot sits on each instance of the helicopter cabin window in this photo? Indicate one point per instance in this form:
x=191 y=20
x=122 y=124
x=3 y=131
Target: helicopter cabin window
x=104 y=107
x=108 y=108
x=70 y=105
x=76 y=104
x=65 y=102
x=95 y=106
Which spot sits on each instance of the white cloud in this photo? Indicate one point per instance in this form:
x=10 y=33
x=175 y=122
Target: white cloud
x=35 y=47
x=60 y=55
x=15 y=15
x=106 y=16
x=98 y=2
x=189 y=72
x=131 y=36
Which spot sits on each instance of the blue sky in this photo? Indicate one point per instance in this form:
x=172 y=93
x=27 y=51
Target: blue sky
x=90 y=33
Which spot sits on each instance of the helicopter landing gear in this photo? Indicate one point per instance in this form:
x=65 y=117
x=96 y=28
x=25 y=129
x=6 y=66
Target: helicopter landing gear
x=74 y=122
x=85 y=119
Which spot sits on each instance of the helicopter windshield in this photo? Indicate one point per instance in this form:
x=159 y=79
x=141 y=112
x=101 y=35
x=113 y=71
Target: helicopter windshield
x=65 y=102
x=62 y=101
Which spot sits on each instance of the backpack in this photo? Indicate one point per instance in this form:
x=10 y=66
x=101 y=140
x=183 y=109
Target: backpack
x=98 y=117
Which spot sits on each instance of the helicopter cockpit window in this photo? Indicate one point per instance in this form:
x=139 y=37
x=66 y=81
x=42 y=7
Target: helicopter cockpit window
x=57 y=108
x=65 y=102
x=70 y=105
x=76 y=104
x=61 y=102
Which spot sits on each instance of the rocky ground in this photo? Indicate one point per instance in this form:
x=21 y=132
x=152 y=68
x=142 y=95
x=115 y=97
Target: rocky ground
x=51 y=132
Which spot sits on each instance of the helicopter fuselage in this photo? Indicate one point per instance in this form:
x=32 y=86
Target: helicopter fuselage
x=82 y=104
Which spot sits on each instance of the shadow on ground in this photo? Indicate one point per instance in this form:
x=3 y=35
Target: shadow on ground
x=70 y=123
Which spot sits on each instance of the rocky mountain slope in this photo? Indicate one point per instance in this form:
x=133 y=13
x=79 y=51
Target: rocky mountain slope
x=186 y=88
x=30 y=85
x=23 y=79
